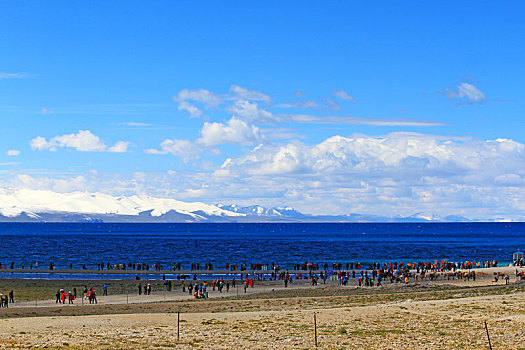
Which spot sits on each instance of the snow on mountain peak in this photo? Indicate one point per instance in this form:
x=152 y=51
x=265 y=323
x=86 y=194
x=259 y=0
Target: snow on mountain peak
x=14 y=202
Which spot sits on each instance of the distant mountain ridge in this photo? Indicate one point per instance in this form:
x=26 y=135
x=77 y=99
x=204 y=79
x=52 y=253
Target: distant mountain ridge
x=257 y=210
x=23 y=205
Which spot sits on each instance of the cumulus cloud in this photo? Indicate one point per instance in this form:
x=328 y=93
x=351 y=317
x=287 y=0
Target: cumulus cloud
x=83 y=141
x=467 y=94
x=397 y=174
x=343 y=95
x=191 y=109
x=250 y=111
x=395 y=153
x=12 y=152
x=235 y=131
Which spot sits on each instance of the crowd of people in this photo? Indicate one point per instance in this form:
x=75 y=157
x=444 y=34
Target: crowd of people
x=303 y=266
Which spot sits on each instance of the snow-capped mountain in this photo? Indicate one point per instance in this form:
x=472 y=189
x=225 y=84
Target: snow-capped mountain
x=257 y=210
x=34 y=203
x=22 y=205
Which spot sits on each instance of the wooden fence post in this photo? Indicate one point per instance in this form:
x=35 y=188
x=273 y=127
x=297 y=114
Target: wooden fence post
x=178 y=325
x=315 y=329
x=488 y=337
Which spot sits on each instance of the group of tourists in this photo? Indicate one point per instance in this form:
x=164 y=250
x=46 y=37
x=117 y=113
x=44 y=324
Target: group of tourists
x=8 y=299
x=90 y=294
x=146 y=289
x=199 y=290
x=62 y=296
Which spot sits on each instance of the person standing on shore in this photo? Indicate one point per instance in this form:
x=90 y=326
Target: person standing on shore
x=94 y=295
x=140 y=288
x=105 y=289
x=11 y=296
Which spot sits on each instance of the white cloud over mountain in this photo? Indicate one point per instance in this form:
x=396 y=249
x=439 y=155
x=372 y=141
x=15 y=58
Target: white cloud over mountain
x=394 y=174
x=399 y=173
x=392 y=154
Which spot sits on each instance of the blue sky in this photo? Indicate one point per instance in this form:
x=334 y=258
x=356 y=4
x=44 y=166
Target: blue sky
x=245 y=103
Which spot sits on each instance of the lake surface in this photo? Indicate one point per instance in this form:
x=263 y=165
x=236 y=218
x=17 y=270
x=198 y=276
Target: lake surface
x=90 y=243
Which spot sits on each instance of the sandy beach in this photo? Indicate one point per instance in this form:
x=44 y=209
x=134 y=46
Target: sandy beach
x=443 y=314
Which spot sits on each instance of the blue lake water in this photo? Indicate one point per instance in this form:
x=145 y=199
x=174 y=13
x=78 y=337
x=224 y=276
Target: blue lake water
x=90 y=243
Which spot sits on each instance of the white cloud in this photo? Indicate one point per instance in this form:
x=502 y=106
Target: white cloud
x=119 y=147
x=201 y=95
x=236 y=132
x=47 y=111
x=390 y=175
x=4 y=75
x=182 y=148
x=65 y=184
x=13 y=152
x=344 y=95
x=135 y=124
x=394 y=153
x=242 y=93
x=397 y=174
x=331 y=103
x=313 y=119
x=191 y=109
x=300 y=104
x=466 y=93
x=83 y=141
x=251 y=112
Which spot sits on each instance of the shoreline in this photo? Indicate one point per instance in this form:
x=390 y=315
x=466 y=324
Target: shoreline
x=441 y=314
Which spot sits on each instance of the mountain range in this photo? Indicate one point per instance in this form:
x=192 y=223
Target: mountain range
x=24 y=205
